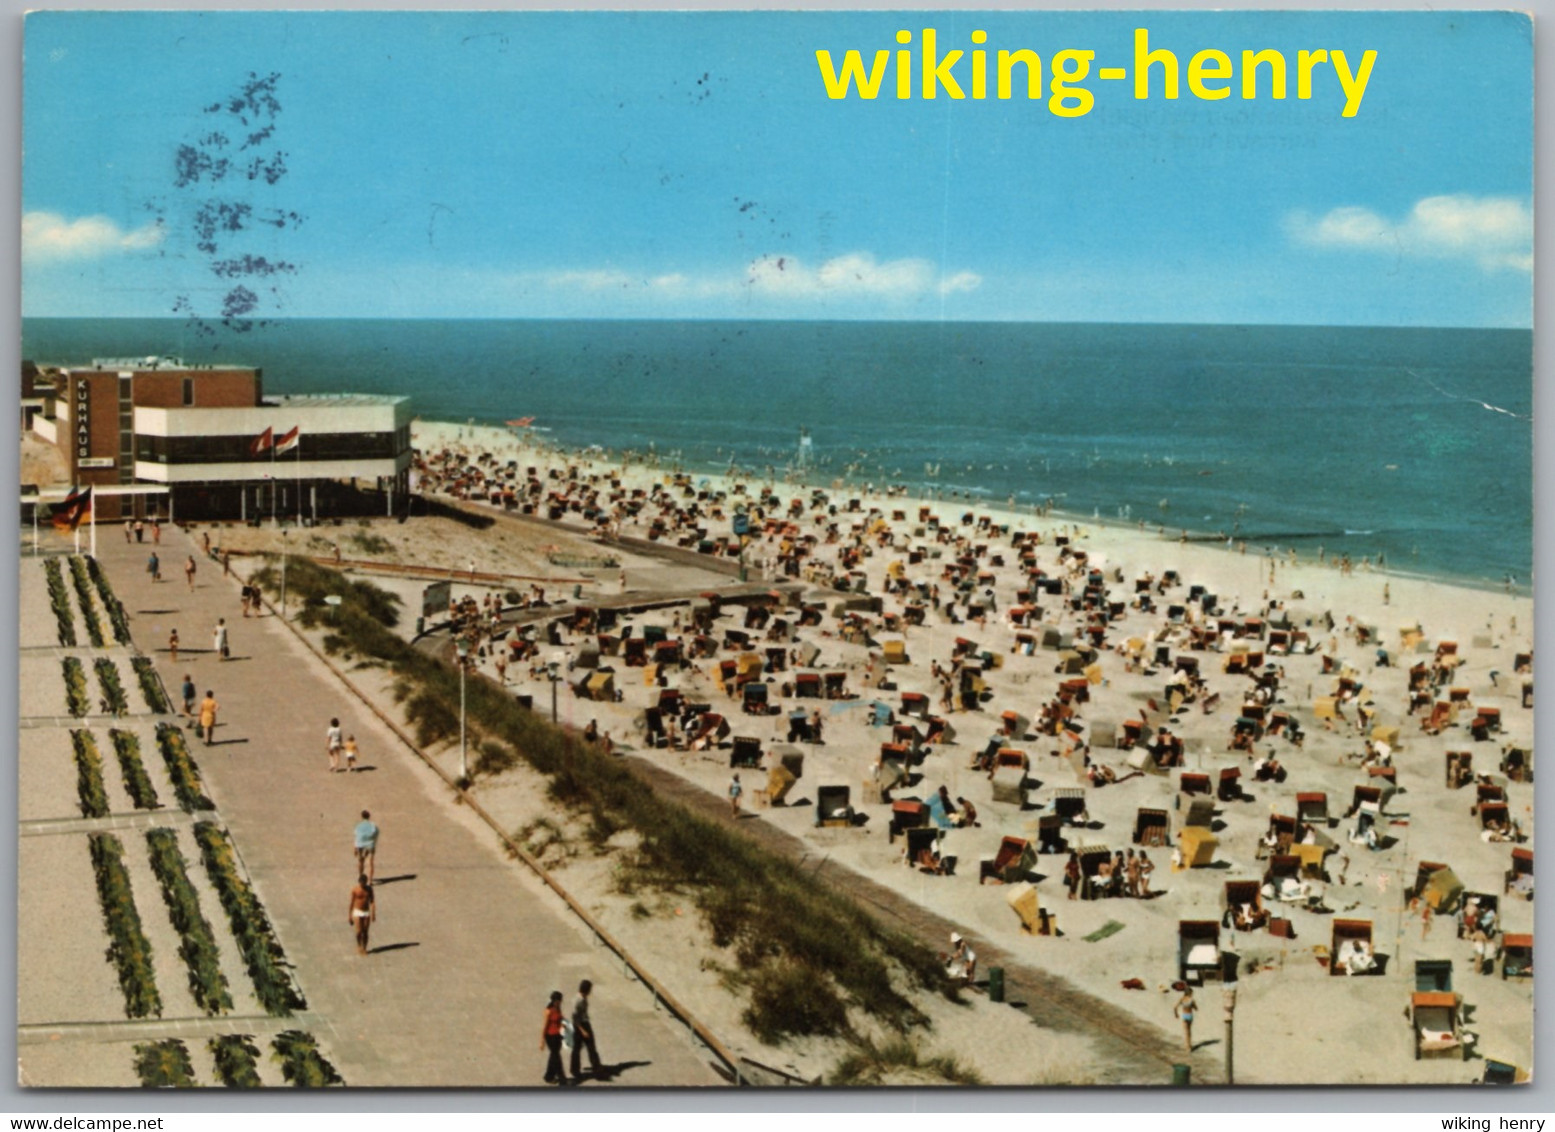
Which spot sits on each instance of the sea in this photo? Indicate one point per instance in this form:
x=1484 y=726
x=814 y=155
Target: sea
x=1410 y=445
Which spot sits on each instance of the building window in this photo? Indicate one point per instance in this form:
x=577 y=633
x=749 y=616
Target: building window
x=188 y=391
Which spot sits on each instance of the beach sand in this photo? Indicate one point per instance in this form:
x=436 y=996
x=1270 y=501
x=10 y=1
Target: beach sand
x=1295 y=1024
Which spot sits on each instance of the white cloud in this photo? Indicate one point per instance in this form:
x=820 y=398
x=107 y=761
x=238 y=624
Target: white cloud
x=857 y=275
x=1493 y=232
x=49 y=237
x=960 y=281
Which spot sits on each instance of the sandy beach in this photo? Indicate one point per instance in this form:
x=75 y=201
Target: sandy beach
x=1123 y=951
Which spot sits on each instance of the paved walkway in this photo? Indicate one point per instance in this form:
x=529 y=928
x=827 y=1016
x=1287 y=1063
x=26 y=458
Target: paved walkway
x=467 y=944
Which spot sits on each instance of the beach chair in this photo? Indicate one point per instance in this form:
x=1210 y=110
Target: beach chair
x=1229 y=788
x=906 y=814
x=1433 y=975
x=1009 y=777
x=634 y=652
x=1011 y=864
x=1350 y=948
x=1242 y=906
x=915 y=704
x=807 y=686
x=1282 y=828
x=1435 y=1018
x=1438 y=887
x=1024 y=901
x=602 y=687
x=833 y=806
x=1516 y=955
x=1096 y=878
x=939 y=731
x=1499 y=1072
x=923 y=852
x=1460 y=769
x=1194 y=783
x=1520 y=875
x=1069 y=804
x=1198 y=846
x=1050 y=834
x=745 y=751
x=1152 y=828
x=1198 y=951
x=1517 y=763
x=1312 y=807
x=1201 y=814
x=1013 y=724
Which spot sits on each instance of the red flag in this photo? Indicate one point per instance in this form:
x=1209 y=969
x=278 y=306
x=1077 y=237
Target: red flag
x=261 y=443
x=286 y=443
x=76 y=507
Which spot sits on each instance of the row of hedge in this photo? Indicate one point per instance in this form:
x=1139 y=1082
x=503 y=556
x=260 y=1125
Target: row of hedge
x=89 y=775
x=111 y=602
x=63 y=619
x=198 y=950
x=77 y=696
x=256 y=939
x=798 y=942
x=114 y=698
x=151 y=685
x=126 y=745
x=128 y=950
x=83 y=584
x=166 y=1064
x=182 y=770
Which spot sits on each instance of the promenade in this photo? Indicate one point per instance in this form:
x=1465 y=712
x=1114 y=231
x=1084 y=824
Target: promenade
x=467 y=945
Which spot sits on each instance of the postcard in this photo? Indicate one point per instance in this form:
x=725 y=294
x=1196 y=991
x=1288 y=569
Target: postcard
x=664 y=549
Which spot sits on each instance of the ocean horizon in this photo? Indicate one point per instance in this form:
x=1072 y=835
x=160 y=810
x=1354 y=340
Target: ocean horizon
x=1411 y=443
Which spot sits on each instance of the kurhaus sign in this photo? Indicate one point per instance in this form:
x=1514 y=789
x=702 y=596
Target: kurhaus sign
x=82 y=414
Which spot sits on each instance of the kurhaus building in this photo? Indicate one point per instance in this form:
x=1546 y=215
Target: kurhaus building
x=220 y=447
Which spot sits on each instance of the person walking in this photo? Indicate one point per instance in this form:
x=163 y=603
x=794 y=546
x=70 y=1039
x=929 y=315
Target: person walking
x=551 y=1039
x=219 y=639
x=189 y=569
x=735 y=790
x=156 y=532
x=140 y=531
x=366 y=845
x=583 y=1033
x=190 y=692
x=208 y=710
x=351 y=753
x=333 y=744
x=1185 y=1010
x=362 y=912
x=154 y=567
x=172 y=646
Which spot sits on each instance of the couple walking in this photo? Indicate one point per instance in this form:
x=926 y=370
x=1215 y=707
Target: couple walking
x=553 y=1034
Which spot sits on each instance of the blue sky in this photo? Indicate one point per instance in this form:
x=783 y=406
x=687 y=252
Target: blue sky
x=691 y=166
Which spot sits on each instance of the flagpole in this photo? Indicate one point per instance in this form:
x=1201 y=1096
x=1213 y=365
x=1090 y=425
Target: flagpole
x=92 y=506
x=297 y=479
x=274 y=491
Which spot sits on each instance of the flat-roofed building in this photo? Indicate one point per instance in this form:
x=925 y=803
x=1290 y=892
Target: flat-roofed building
x=211 y=436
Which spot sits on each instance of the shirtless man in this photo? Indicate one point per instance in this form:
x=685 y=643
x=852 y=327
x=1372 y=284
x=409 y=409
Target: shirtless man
x=362 y=912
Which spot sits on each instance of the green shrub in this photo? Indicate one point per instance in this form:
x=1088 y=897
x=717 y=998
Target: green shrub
x=301 y=1062
x=76 y=694
x=113 y=691
x=369 y=543
x=262 y=952
x=151 y=685
x=198 y=950
x=237 y=1061
x=83 y=584
x=89 y=775
x=898 y=1061
x=791 y=999
x=181 y=769
x=128 y=950
x=164 y=1065
x=63 y=619
x=115 y=607
x=136 y=781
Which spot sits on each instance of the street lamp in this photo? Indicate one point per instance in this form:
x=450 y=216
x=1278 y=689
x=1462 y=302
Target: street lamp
x=463 y=645
x=551 y=667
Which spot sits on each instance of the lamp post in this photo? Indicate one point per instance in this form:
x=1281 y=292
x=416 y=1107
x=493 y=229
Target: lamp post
x=551 y=667
x=463 y=645
x=1228 y=1001
x=283 y=575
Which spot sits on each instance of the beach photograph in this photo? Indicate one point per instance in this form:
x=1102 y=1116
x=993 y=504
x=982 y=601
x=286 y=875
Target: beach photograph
x=826 y=550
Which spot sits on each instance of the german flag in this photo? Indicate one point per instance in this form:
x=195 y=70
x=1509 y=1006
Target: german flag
x=76 y=507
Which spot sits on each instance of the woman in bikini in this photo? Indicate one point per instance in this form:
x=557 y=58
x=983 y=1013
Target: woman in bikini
x=1185 y=1009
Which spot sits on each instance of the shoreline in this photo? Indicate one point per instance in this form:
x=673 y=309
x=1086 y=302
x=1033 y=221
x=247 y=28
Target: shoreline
x=988 y=503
